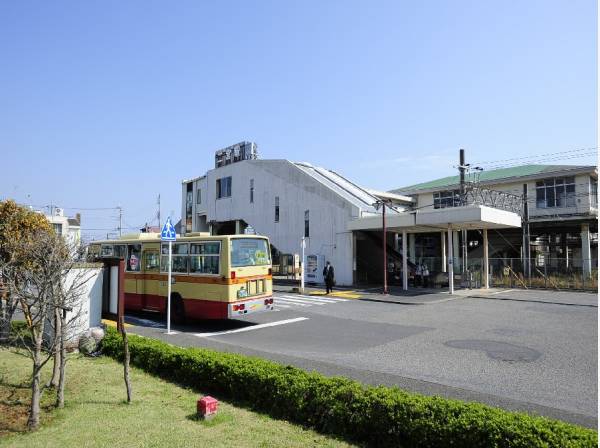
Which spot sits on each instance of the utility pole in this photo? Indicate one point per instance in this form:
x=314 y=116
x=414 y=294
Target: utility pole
x=462 y=168
x=120 y=220
x=159 y=211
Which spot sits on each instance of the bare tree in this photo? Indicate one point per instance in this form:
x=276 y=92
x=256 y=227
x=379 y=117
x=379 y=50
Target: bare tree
x=49 y=292
x=68 y=304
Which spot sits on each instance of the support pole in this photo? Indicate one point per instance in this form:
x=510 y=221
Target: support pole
x=169 y=289
x=450 y=262
x=302 y=270
x=586 y=252
x=385 y=286
x=443 y=243
x=486 y=261
x=404 y=263
x=411 y=247
x=455 y=245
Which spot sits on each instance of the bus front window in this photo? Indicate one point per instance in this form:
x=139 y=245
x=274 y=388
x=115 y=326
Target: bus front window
x=249 y=252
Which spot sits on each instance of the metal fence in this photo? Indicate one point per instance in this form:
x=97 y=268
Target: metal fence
x=548 y=273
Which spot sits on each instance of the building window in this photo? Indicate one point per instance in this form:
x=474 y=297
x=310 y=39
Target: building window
x=276 y=208
x=556 y=192
x=443 y=199
x=189 y=200
x=594 y=193
x=306 y=224
x=198 y=196
x=57 y=228
x=251 y=191
x=224 y=187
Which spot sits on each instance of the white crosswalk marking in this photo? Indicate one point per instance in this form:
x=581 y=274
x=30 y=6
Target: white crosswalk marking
x=284 y=301
x=298 y=301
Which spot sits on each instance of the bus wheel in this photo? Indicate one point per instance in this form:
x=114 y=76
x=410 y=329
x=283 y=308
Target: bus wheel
x=177 y=309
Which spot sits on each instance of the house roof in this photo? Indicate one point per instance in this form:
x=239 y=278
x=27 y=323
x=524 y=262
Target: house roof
x=502 y=174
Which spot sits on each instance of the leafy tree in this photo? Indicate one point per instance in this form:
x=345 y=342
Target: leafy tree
x=18 y=226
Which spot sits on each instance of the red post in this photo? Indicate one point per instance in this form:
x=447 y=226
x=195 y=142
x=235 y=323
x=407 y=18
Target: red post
x=385 y=287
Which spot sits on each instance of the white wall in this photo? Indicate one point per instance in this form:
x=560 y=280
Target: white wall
x=87 y=312
x=297 y=192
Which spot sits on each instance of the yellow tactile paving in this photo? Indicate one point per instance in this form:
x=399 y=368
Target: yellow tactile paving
x=341 y=294
x=113 y=323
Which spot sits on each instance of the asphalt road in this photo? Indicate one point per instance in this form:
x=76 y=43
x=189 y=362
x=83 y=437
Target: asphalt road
x=519 y=350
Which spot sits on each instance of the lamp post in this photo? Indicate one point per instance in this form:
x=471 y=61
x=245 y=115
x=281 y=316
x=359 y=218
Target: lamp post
x=381 y=203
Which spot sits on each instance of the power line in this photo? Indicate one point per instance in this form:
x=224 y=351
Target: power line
x=551 y=154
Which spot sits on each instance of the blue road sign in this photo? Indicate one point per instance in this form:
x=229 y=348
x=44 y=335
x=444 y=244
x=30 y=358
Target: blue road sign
x=168 y=231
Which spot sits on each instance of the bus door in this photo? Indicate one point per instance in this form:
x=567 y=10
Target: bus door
x=178 y=268
x=149 y=287
x=133 y=280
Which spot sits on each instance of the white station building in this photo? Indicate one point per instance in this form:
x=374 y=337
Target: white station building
x=341 y=221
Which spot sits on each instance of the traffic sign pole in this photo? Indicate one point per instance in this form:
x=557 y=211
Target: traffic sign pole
x=168 y=234
x=169 y=288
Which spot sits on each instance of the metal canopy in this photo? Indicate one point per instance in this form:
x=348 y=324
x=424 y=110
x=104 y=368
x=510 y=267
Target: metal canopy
x=455 y=218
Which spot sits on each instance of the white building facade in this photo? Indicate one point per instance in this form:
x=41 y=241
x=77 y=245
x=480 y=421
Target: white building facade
x=285 y=201
x=68 y=228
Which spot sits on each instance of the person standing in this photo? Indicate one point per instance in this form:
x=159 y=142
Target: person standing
x=418 y=275
x=329 y=277
x=425 y=273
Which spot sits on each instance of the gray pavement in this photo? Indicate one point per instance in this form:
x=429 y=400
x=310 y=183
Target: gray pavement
x=520 y=350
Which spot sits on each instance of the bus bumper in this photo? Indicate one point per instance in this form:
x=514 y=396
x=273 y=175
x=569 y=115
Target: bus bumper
x=248 y=306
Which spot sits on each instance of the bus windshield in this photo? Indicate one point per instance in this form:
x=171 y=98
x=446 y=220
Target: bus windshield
x=249 y=252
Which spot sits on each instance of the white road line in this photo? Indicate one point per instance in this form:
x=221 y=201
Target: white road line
x=253 y=327
x=500 y=292
x=294 y=300
x=281 y=305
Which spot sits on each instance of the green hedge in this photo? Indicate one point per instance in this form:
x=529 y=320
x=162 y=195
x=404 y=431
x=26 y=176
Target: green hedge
x=380 y=416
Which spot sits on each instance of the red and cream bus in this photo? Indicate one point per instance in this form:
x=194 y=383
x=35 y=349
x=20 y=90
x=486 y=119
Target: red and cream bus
x=213 y=277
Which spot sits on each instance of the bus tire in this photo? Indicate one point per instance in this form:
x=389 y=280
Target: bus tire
x=177 y=309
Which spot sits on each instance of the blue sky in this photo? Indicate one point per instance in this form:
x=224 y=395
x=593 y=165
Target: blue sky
x=111 y=103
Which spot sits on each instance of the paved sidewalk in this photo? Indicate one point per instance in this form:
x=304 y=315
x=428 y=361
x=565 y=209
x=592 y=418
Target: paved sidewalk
x=424 y=296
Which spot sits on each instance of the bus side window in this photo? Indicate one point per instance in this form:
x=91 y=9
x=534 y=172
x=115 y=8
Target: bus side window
x=107 y=250
x=120 y=251
x=151 y=260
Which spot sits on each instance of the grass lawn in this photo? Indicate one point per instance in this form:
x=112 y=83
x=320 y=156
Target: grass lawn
x=162 y=414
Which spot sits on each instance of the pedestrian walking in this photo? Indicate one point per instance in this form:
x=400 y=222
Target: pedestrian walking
x=329 y=277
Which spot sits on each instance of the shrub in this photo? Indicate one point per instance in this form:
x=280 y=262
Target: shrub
x=379 y=416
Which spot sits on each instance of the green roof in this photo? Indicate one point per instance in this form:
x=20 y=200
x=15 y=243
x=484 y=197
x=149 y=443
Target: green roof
x=492 y=175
